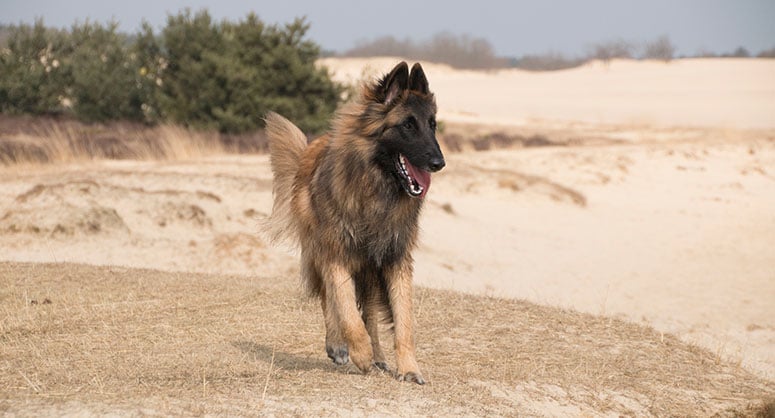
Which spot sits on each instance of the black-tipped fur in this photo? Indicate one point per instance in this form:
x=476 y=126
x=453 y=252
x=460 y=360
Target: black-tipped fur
x=353 y=207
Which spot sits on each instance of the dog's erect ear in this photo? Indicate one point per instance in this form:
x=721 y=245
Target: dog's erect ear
x=394 y=83
x=417 y=80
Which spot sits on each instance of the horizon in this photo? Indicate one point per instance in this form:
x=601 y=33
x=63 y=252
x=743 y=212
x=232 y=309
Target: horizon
x=513 y=30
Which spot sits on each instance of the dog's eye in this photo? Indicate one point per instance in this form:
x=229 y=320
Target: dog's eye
x=410 y=124
x=432 y=123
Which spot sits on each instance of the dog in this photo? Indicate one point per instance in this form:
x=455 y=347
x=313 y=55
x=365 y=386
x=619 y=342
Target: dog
x=351 y=200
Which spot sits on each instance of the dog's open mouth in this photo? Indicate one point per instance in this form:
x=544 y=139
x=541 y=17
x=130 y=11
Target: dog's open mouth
x=415 y=181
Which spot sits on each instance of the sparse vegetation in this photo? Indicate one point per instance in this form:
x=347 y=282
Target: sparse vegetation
x=460 y=51
x=468 y=52
x=552 y=61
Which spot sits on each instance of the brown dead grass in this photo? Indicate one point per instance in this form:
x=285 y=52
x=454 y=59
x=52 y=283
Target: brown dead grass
x=40 y=140
x=145 y=342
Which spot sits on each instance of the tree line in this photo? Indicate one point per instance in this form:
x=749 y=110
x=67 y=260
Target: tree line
x=195 y=72
x=466 y=52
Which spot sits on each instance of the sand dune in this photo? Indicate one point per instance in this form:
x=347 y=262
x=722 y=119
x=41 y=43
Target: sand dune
x=616 y=217
x=729 y=93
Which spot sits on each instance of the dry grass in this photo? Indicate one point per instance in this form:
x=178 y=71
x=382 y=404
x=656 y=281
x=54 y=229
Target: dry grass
x=144 y=342
x=36 y=140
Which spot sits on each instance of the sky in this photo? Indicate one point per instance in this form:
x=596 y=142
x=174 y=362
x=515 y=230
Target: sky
x=514 y=28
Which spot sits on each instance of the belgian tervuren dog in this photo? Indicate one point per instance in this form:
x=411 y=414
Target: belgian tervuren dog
x=351 y=201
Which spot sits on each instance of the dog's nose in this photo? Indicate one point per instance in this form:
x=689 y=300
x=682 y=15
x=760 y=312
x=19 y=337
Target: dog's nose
x=436 y=164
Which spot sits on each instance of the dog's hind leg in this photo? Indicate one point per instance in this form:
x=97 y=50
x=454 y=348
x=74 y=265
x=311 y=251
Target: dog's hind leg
x=336 y=346
x=371 y=314
x=340 y=302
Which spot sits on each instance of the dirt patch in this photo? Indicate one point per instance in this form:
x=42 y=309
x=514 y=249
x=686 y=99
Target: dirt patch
x=240 y=248
x=468 y=179
x=132 y=341
x=50 y=211
x=89 y=207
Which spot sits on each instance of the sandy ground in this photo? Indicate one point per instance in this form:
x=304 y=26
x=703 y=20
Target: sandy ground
x=655 y=211
x=79 y=340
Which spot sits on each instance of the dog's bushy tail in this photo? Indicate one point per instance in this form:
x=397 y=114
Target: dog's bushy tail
x=286 y=146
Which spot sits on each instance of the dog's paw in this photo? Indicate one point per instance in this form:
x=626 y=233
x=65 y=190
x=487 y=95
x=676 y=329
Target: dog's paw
x=381 y=365
x=411 y=377
x=339 y=355
x=362 y=358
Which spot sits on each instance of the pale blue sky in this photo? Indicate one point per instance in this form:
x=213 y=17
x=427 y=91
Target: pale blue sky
x=513 y=27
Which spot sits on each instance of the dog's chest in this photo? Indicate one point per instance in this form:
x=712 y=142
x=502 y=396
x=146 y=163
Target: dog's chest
x=371 y=215
x=384 y=233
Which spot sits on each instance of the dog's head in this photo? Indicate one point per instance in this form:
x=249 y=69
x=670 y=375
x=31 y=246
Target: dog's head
x=407 y=145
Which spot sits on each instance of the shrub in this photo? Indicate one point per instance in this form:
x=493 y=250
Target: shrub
x=31 y=71
x=86 y=72
x=227 y=76
x=197 y=73
x=101 y=73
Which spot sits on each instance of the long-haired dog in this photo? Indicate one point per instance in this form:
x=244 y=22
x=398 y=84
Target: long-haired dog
x=351 y=201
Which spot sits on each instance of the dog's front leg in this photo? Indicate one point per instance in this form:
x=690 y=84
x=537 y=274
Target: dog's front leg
x=340 y=295
x=400 y=294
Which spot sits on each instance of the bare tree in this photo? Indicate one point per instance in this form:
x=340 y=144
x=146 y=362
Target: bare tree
x=740 y=52
x=767 y=53
x=607 y=51
x=660 y=49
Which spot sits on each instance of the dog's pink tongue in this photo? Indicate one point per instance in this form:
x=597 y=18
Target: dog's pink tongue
x=422 y=177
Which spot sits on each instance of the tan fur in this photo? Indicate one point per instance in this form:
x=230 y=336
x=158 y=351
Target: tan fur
x=286 y=146
x=354 y=224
